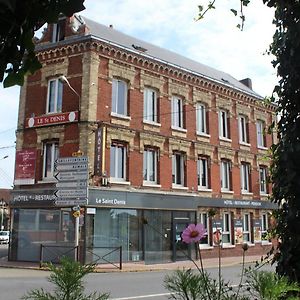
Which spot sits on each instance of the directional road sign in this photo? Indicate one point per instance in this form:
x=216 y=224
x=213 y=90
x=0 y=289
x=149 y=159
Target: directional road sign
x=70 y=202
x=71 y=175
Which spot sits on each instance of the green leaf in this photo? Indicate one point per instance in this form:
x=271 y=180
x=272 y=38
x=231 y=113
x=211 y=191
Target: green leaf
x=14 y=79
x=234 y=11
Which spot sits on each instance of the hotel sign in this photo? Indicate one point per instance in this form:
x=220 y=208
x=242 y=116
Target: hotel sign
x=25 y=166
x=52 y=119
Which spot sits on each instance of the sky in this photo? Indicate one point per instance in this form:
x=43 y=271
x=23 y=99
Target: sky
x=214 y=41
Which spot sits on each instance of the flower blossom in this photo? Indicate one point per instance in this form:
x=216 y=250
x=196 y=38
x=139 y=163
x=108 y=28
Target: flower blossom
x=193 y=233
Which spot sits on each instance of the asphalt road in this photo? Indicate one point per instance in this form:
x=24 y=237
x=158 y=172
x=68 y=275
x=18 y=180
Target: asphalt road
x=128 y=285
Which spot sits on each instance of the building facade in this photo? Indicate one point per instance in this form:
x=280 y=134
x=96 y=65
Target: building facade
x=169 y=142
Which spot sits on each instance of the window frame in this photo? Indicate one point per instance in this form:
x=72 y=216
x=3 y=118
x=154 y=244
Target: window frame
x=225 y=175
x=243 y=130
x=201 y=119
x=177 y=112
x=203 y=172
x=204 y=219
x=58 y=31
x=57 y=99
x=120 y=149
x=54 y=154
x=223 y=124
x=117 y=108
x=227 y=222
x=178 y=177
x=150 y=105
x=147 y=161
x=245 y=177
x=246 y=228
x=263 y=183
x=260 y=129
x=264 y=226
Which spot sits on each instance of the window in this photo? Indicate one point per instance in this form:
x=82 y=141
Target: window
x=201 y=119
x=119 y=97
x=203 y=173
x=150 y=105
x=178 y=169
x=204 y=220
x=260 y=127
x=225 y=175
x=246 y=228
x=58 y=31
x=150 y=166
x=245 y=177
x=177 y=112
x=243 y=129
x=118 y=161
x=263 y=180
x=226 y=234
x=223 y=124
x=50 y=156
x=55 y=93
x=264 y=226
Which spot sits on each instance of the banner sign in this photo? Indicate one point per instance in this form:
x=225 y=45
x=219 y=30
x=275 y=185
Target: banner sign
x=25 y=166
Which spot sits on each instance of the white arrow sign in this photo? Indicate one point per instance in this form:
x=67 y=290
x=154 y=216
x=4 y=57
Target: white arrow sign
x=71 y=175
x=71 y=160
x=70 y=202
x=66 y=167
x=71 y=193
x=75 y=184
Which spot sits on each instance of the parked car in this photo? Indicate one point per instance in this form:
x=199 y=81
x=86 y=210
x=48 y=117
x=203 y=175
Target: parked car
x=4 y=237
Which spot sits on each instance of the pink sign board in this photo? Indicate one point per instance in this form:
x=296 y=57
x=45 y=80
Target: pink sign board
x=25 y=166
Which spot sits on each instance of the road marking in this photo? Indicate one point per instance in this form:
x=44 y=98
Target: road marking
x=143 y=296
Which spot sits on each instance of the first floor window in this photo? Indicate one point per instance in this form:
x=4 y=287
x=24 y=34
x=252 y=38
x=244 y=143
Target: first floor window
x=178 y=169
x=50 y=156
x=264 y=226
x=203 y=173
x=225 y=175
x=223 y=124
x=260 y=128
x=119 y=97
x=118 y=161
x=245 y=177
x=201 y=118
x=246 y=228
x=55 y=94
x=177 y=112
x=263 y=180
x=243 y=129
x=226 y=234
x=204 y=220
x=150 y=166
x=150 y=105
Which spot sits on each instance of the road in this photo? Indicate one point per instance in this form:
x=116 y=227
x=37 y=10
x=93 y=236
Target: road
x=128 y=285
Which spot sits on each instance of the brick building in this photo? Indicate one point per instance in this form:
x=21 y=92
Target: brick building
x=167 y=139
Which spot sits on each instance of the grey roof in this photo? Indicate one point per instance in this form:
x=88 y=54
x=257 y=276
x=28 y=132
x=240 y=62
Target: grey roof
x=110 y=35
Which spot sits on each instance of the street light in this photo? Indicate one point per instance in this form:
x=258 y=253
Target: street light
x=65 y=79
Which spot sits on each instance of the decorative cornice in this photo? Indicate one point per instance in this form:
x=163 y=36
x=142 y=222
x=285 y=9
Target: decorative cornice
x=120 y=134
x=156 y=141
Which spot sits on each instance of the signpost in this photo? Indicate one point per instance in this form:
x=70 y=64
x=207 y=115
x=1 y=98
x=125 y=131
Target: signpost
x=72 y=185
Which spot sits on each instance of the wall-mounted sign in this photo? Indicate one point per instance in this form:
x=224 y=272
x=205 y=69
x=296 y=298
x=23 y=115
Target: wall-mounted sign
x=25 y=166
x=52 y=119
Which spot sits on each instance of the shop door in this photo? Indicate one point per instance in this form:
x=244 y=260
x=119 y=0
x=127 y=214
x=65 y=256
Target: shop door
x=181 y=250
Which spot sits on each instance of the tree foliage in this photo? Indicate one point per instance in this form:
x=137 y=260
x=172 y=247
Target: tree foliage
x=19 y=19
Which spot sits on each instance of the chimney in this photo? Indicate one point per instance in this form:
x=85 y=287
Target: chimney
x=247 y=82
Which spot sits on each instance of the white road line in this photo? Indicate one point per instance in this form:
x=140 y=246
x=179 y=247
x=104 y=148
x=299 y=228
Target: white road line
x=143 y=296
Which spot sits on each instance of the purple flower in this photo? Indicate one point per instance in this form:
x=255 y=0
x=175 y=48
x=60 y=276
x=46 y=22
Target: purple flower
x=193 y=233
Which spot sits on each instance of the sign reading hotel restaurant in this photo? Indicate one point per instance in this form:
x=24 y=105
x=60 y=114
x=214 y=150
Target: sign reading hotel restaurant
x=72 y=176
x=52 y=119
x=25 y=166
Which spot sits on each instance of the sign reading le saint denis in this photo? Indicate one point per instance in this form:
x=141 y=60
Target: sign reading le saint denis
x=72 y=177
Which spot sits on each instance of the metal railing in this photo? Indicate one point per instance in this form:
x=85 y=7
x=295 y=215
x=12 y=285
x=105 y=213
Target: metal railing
x=106 y=257
x=53 y=253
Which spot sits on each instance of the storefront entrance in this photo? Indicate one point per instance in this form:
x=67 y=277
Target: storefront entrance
x=181 y=250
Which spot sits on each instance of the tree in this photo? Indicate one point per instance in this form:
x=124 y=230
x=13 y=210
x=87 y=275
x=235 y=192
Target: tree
x=19 y=20
x=285 y=168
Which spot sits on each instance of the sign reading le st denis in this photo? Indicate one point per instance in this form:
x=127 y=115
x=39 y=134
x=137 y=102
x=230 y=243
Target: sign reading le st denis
x=72 y=181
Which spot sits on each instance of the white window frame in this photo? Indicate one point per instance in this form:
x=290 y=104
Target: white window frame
x=150 y=105
x=202 y=172
x=119 y=97
x=225 y=175
x=263 y=180
x=245 y=177
x=243 y=134
x=150 y=166
x=260 y=127
x=177 y=112
x=227 y=229
x=201 y=119
x=56 y=32
x=178 y=175
x=223 y=124
x=118 y=152
x=264 y=226
x=246 y=228
x=204 y=220
x=54 y=96
x=50 y=154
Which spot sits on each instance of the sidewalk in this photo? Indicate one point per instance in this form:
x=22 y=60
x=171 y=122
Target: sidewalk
x=141 y=267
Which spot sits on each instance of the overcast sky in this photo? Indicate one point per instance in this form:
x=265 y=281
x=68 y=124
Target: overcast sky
x=214 y=41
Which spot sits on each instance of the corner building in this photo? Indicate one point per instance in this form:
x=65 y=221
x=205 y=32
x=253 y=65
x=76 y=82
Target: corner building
x=168 y=140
